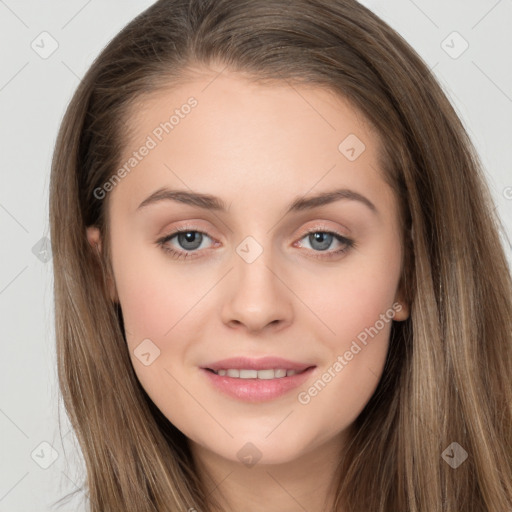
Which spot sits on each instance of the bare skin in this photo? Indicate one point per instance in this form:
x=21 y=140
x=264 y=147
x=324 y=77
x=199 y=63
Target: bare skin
x=258 y=148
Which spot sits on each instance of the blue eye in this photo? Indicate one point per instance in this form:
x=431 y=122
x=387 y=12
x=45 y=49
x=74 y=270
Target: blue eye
x=191 y=240
x=320 y=241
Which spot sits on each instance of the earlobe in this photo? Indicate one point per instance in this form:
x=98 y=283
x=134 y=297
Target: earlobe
x=401 y=312
x=401 y=309
x=401 y=305
x=94 y=238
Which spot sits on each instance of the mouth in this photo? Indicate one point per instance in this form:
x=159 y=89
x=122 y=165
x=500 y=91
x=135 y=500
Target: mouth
x=257 y=380
x=267 y=374
x=267 y=367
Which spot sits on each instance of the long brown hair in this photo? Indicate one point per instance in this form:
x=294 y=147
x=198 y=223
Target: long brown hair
x=447 y=374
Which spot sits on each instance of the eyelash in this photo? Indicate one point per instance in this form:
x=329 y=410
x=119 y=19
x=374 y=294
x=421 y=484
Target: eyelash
x=349 y=243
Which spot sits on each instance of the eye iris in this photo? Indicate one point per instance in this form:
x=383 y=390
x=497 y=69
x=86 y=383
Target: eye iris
x=190 y=239
x=325 y=240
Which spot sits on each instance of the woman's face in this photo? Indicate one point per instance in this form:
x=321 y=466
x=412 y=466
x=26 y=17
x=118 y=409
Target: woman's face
x=290 y=249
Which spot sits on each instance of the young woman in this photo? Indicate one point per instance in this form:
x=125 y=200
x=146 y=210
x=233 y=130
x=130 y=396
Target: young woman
x=279 y=283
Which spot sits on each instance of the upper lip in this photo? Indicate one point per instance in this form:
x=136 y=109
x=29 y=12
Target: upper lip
x=264 y=363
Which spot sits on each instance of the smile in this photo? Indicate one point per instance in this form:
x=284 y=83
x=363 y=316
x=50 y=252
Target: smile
x=249 y=385
x=255 y=374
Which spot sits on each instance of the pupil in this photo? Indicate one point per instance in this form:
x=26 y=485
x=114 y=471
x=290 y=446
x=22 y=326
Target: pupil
x=322 y=239
x=190 y=239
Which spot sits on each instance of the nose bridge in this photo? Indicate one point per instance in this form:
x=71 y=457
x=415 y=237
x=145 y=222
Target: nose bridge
x=256 y=297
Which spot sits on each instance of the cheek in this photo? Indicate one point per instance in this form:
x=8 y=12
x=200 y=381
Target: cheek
x=148 y=305
x=352 y=298
x=155 y=306
x=357 y=307
x=152 y=299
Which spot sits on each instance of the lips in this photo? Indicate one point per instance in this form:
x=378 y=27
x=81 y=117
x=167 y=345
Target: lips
x=264 y=363
x=256 y=390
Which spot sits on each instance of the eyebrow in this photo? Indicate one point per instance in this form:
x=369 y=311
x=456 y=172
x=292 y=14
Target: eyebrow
x=209 y=202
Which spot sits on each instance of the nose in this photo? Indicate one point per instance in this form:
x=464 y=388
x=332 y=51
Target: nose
x=256 y=296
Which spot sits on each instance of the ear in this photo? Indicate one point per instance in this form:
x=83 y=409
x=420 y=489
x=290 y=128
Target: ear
x=401 y=307
x=94 y=238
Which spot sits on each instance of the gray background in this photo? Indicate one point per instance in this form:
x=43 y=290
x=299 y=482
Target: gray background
x=34 y=91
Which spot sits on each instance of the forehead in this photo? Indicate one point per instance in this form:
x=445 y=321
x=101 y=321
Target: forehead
x=227 y=132
x=238 y=96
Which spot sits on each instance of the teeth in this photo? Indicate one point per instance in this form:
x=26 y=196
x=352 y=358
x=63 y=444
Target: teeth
x=256 y=374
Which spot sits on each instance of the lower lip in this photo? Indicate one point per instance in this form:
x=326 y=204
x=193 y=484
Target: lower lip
x=257 y=390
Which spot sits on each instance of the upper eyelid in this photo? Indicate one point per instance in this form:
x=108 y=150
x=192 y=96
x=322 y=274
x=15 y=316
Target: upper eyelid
x=319 y=229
